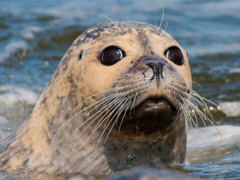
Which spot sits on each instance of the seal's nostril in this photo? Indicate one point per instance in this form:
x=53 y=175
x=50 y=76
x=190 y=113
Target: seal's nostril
x=157 y=68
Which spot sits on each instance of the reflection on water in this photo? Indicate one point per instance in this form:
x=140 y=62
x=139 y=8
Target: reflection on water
x=34 y=36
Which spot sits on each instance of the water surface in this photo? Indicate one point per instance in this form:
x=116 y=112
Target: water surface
x=34 y=35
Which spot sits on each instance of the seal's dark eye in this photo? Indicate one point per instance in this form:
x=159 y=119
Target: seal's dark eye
x=111 y=55
x=175 y=55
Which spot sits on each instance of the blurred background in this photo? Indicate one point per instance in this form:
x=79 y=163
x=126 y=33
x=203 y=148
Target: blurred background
x=34 y=35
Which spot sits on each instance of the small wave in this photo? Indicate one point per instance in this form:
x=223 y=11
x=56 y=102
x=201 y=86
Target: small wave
x=3 y=120
x=14 y=46
x=213 y=137
x=28 y=33
x=212 y=144
x=11 y=48
x=231 y=109
x=11 y=95
x=234 y=70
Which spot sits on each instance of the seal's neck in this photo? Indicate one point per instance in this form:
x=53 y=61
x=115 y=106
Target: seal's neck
x=166 y=148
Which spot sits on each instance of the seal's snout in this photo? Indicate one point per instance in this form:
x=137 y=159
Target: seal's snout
x=156 y=108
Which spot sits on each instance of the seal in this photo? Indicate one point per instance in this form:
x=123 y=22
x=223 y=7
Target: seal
x=118 y=99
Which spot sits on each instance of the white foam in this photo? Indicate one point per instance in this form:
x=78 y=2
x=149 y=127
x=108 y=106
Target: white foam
x=234 y=70
x=213 y=137
x=28 y=33
x=77 y=178
x=231 y=109
x=11 y=48
x=11 y=95
x=3 y=120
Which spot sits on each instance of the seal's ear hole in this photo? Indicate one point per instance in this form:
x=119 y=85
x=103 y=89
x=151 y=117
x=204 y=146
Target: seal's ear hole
x=80 y=55
x=174 y=54
x=111 y=55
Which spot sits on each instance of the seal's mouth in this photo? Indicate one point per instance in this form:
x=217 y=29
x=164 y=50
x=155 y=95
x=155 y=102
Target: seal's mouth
x=151 y=115
x=155 y=106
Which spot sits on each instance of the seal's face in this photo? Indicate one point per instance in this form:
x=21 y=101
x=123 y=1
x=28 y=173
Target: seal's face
x=140 y=73
x=125 y=82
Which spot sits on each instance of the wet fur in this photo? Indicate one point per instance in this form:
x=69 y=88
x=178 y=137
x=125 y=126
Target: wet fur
x=60 y=138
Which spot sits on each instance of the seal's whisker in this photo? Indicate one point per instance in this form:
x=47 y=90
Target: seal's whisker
x=191 y=112
x=203 y=106
x=194 y=96
x=179 y=92
x=121 y=109
x=187 y=114
x=165 y=28
x=90 y=97
x=109 y=121
x=107 y=18
x=162 y=18
x=133 y=103
x=104 y=110
x=199 y=101
x=194 y=107
x=130 y=106
x=140 y=76
x=199 y=98
x=107 y=107
x=135 y=92
x=111 y=110
x=171 y=78
x=181 y=89
x=106 y=102
x=123 y=77
x=192 y=103
x=188 y=119
x=125 y=111
x=194 y=93
x=93 y=106
x=102 y=93
x=181 y=108
x=194 y=110
x=196 y=83
x=105 y=118
x=102 y=101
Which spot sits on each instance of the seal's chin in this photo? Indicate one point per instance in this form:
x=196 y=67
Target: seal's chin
x=150 y=116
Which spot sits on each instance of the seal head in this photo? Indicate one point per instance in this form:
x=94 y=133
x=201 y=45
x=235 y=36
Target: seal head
x=114 y=102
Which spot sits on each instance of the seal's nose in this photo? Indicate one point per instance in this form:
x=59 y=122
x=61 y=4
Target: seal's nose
x=156 y=64
x=157 y=68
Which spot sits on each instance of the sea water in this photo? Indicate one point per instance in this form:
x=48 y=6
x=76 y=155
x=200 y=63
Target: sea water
x=34 y=35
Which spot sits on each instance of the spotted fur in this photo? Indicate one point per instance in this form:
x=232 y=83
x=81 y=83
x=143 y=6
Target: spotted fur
x=54 y=140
